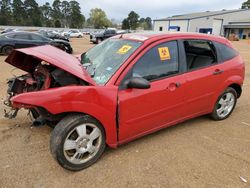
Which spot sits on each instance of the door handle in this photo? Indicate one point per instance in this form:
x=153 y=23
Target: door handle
x=178 y=84
x=173 y=86
x=218 y=71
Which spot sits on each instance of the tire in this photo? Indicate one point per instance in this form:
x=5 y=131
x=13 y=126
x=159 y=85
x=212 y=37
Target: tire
x=98 y=40
x=224 y=105
x=6 y=50
x=82 y=150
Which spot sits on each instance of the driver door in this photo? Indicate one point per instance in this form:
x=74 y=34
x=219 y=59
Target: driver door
x=142 y=111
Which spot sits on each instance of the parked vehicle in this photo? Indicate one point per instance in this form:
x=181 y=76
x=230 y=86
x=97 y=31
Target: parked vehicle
x=124 y=88
x=53 y=35
x=98 y=37
x=74 y=34
x=14 y=40
x=10 y=30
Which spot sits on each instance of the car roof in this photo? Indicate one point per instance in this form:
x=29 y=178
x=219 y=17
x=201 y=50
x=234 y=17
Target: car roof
x=153 y=36
x=20 y=32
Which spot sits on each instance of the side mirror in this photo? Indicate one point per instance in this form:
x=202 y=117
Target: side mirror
x=137 y=83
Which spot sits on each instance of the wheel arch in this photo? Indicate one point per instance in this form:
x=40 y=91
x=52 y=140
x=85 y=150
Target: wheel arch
x=235 y=82
x=237 y=87
x=1 y=49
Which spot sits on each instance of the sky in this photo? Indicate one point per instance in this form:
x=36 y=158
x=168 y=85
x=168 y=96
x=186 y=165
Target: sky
x=119 y=9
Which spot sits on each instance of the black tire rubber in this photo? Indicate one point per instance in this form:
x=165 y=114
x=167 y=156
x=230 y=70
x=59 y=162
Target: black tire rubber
x=6 y=50
x=60 y=133
x=214 y=114
x=98 y=40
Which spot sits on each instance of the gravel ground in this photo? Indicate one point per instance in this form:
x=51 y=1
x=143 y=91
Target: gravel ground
x=198 y=153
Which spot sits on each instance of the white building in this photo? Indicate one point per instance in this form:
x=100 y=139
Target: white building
x=222 y=23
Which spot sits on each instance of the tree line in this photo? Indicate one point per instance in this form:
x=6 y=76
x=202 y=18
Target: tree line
x=66 y=14
x=245 y=4
x=29 y=13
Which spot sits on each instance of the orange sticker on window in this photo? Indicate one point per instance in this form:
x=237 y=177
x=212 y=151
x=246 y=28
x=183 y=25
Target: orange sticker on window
x=164 y=53
x=124 y=49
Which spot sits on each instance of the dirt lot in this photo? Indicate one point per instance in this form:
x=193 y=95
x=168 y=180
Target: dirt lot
x=197 y=153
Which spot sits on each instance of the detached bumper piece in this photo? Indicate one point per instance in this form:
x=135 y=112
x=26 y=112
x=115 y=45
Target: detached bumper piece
x=10 y=114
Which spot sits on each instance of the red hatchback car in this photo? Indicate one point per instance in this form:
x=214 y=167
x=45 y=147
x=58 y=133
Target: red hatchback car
x=124 y=88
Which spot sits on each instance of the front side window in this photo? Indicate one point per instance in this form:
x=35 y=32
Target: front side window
x=159 y=62
x=199 y=53
x=103 y=60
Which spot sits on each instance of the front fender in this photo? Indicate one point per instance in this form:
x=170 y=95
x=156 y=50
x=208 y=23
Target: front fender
x=99 y=102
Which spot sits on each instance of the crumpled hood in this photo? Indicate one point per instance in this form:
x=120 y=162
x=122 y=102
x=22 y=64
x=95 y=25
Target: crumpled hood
x=27 y=60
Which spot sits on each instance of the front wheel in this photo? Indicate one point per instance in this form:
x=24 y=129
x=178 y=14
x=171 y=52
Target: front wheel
x=7 y=50
x=225 y=104
x=77 y=142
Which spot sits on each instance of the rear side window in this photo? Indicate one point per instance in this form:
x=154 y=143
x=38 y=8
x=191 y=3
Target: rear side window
x=158 y=62
x=22 y=36
x=225 y=52
x=199 y=53
x=36 y=37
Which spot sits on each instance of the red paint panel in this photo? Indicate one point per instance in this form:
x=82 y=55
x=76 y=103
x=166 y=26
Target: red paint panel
x=99 y=102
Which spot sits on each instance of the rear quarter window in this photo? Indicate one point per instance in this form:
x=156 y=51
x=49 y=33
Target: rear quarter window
x=225 y=52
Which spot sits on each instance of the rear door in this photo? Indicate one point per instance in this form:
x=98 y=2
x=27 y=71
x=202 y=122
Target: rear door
x=22 y=40
x=38 y=40
x=142 y=111
x=204 y=75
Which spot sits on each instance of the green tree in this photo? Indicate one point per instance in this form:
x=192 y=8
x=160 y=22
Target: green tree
x=133 y=19
x=65 y=8
x=18 y=12
x=142 y=20
x=5 y=12
x=246 y=4
x=46 y=12
x=98 y=18
x=148 y=21
x=125 y=24
x=57 y=23
x=76 y=18
x=56 y=11
x=33 y=13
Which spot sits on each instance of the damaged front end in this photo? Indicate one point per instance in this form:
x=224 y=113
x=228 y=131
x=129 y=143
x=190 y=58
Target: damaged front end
x=46 y=68
x=16 y=86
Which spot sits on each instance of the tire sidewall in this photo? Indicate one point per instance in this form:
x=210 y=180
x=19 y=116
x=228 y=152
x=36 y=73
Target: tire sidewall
x=215 y=114
x=61 y=132
x=98 y=41
x=5 y=48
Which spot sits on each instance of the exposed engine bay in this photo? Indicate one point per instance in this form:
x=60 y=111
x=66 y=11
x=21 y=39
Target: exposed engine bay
x=44 y=76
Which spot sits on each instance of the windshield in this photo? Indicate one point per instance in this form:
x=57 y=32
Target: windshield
x=103 y=60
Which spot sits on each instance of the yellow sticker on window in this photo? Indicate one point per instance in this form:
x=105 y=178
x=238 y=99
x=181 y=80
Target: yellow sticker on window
x=124 y=49
x=164 y=53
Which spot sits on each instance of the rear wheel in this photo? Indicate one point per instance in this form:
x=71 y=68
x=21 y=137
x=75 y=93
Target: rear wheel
x=225 y=104
x=7 y=50
x=77 y=142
